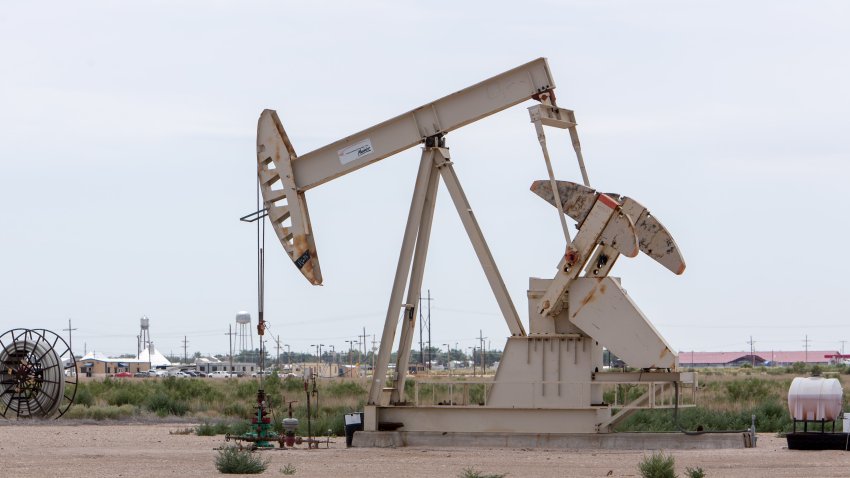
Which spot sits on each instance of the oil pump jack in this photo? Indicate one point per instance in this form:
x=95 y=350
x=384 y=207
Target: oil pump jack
x=550 y=379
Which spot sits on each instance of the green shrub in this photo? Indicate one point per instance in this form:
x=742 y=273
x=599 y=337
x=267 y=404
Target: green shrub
x=211 y=429
x=797 y=367
x=105 y=412
x=84 y=396
x=347 y=388
x=658 y=465
x=222 y=428
x=694 y=472
x=288 y=469
x=771 y=416
x=473 y=473
x=232 y=460
x=292 y=384
x=237 y=409
x=126 y=396
x=747 y=389
x=163 y=405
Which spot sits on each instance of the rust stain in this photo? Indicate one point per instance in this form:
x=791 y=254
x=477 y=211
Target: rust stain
x=600 y=287
x=571 y=257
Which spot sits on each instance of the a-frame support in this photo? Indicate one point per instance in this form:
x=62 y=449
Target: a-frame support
x=435 y=163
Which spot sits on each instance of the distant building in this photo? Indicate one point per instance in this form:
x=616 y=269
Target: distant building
x=212 y=364
x=736 y=359
x=95 y=364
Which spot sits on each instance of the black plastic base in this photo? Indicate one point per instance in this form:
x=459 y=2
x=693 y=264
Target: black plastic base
x=818 y=441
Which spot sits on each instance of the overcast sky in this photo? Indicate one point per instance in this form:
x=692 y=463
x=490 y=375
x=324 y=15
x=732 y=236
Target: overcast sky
x=127 y=155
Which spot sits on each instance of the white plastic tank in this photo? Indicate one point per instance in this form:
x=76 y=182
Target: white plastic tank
x=815 y=398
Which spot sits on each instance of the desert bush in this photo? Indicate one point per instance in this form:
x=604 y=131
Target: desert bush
x=473 y=473
x=222 y=428
x=347 y=388
x=288 y=469
x=126 y=396
x=100 y=412
x=236 y=409
x=232 y=460
x=657 y=465
x=771 y=416
x=695 y=472
x=747 y=389
x=163 y=405
x=797 y=368
x=84 y=396
x=292 y=384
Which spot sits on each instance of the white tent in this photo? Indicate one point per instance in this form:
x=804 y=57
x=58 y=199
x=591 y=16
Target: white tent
x=153 y=356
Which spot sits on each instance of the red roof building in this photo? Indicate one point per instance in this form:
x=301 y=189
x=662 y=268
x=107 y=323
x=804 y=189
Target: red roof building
x=773 y=357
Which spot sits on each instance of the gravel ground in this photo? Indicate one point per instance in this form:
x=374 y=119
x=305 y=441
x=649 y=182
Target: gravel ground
x=87 y=450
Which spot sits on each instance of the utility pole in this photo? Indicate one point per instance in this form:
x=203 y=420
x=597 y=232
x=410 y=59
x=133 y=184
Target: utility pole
x=752 y=356
x=318 y=358
x=69 y=329
x=481 y=350
x=429 y=328
x=350 y=347
x=806 y=341
x=363 y=342
x=842 y=346
x=374 y=351
x=425 y=330
x=230 y=333
x=277 y=341
x=448 y=358
x=185 y=350
x=288 y=357
x=333 y=361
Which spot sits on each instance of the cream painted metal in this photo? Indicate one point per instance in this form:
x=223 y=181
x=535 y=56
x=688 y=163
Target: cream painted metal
x=549 y=378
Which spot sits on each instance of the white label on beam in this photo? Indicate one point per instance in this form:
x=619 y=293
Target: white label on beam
x=355 y=151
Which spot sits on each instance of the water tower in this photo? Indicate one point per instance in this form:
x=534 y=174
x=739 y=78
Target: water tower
x=144 y=335
x=244 y=335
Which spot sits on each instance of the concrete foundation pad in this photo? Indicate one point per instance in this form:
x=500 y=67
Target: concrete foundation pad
x=576 y=441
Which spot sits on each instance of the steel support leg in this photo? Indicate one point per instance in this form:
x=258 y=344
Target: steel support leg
x=405 y=258
x=415 y=287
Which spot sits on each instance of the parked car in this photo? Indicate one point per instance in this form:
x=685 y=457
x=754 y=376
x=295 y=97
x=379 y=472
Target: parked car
x=141 y=374
x=123 y=375
x=221 y=374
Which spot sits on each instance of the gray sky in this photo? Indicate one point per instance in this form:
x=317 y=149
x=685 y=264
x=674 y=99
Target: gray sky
x=127 y=136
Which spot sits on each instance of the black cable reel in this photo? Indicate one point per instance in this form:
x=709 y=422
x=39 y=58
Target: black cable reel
x=38 y=374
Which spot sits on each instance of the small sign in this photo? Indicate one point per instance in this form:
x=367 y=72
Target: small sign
x=355 y=151
x=299 y=263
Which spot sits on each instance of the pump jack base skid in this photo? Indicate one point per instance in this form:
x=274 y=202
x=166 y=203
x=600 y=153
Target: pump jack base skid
x=571 y=441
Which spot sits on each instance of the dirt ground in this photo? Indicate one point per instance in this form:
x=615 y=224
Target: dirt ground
x=70 y=450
